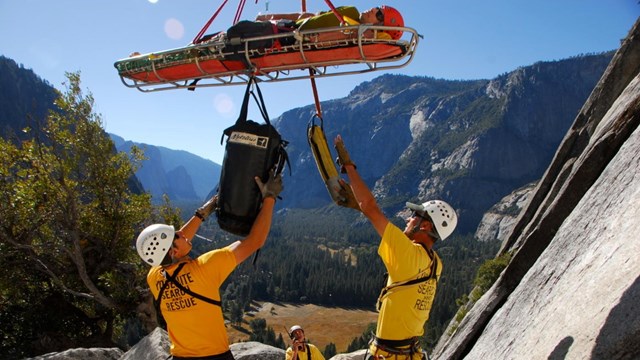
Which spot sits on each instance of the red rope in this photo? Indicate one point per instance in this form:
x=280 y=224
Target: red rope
x=206 y=26
x=239 y=11
x=315 y=92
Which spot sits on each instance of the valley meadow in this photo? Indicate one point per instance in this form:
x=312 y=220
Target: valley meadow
x=322 y=325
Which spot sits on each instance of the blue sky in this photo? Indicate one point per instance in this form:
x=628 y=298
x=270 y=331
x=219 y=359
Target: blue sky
x=463 y=40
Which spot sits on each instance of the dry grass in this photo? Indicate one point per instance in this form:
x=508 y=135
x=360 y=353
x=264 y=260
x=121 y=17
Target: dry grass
x=345 y=253
x=322 y=325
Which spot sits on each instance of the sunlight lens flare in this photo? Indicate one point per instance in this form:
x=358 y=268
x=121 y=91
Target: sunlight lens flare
x=174 y=29
x=223 y=104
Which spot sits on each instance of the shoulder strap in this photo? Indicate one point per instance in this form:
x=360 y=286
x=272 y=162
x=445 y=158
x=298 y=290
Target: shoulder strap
x=434 y=262
x=308 y=352
x=245 y=102
x=260 y=102
x=156 y=301
x=244 y=108
x=432 y=275
x=196 y=295
x=172 y=279
x=164 y=286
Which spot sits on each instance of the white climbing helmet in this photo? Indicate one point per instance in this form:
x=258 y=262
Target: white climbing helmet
x=294 y=328
x=154 y=242
x=443 y=216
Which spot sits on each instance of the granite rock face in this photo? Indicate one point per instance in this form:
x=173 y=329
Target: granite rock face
x=572 y=288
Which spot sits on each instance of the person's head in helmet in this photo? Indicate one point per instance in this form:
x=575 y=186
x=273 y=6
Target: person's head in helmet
x=430 y=221
x=160 y=244
x=299 y=344
x=296 y=332
x=386 y=16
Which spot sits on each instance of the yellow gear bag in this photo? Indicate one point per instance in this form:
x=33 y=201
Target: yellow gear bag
x=327 y=168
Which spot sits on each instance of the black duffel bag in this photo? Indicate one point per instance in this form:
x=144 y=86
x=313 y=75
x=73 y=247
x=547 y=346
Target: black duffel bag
x=252 y=149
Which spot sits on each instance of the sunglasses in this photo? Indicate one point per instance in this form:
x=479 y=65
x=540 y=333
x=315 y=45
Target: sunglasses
x=416 y=214
x=433 y=233
x=379 y=15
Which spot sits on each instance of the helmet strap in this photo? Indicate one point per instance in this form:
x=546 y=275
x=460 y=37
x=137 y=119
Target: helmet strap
x=432 y=234
x=416 y=228
x=167 y=259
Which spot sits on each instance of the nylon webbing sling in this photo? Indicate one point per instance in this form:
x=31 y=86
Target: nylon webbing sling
x=432 y=275
x=172 y=279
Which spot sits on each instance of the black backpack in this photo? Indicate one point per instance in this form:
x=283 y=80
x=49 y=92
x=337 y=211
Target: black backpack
x=252 y=149
x=245 y=29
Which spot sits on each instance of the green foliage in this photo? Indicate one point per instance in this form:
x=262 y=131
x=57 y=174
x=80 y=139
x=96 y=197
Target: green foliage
x=67 y=219
x=329 y=350
x=488 y=273
x=479 y=116
x=362 y=341
x=262 y=333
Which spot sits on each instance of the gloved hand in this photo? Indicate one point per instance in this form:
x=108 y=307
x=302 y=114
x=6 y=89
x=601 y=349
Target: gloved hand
x=272 y=187
x=205 y=210
x=347 y=198
x=343 y=155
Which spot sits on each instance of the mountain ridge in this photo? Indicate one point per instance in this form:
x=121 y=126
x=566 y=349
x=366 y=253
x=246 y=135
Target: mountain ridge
x=468 y=142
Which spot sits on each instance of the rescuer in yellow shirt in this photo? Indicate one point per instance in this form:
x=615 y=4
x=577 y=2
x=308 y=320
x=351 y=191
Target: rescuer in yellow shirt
x=186 y=290
x=413 y=267
x=301 y=348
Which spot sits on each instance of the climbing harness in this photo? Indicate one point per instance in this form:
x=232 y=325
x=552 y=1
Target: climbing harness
x=406 y=348
x=395 y=349
x=433 y=276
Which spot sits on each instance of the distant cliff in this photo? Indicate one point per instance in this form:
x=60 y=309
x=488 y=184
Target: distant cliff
x=184 y=177
x=468 y=142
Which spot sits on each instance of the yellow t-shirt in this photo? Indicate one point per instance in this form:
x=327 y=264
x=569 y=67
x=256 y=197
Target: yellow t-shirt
x=405 y=309
x=195 y=327
x=315 y=354
x=350 y=15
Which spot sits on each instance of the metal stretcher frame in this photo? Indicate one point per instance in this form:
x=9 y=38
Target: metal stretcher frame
x=208 y=64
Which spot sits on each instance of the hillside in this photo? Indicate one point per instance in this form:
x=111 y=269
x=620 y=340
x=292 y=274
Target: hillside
x=323 y=325
x=468 y=142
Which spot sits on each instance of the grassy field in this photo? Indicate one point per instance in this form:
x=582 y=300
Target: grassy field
x=322 y=325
